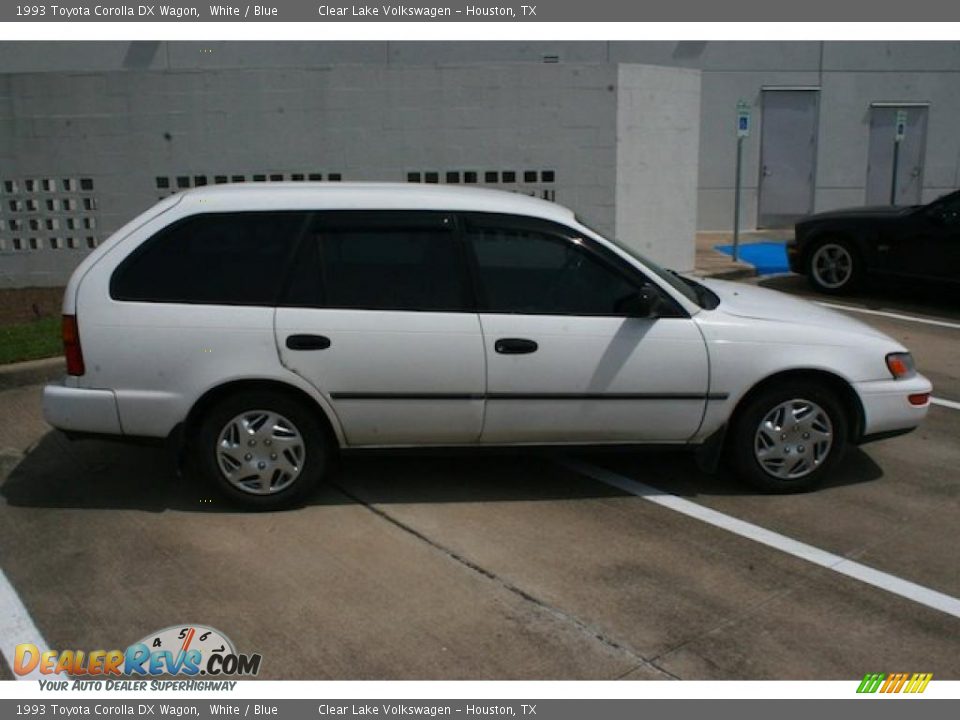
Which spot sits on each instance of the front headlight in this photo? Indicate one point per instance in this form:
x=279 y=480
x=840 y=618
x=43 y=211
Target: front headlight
x=901 y=365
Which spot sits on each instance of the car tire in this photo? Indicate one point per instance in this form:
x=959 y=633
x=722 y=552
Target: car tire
x=834 y=266
x=263 y=450
x=789 y=436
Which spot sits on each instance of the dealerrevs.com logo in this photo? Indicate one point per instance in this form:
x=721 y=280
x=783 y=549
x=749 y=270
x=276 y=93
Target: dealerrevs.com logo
x=189 y=650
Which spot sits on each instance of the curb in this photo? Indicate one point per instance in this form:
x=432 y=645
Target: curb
x=736 y=273
x=31 y=372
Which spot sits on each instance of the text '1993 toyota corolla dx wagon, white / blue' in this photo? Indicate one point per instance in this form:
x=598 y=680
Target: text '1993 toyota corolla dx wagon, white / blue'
x=265 y=327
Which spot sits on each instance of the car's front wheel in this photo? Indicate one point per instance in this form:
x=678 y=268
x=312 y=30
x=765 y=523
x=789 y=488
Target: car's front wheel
x=789 y=436
x=262 y=449
x=834 y=267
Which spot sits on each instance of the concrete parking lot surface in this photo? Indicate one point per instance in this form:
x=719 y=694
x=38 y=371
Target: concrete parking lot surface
x=505 y=565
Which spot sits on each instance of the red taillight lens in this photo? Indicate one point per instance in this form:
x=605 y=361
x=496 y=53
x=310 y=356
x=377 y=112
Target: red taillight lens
x=71 y=345
x=919 y=398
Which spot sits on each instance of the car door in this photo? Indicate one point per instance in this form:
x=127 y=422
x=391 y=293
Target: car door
x=379 y=316
x=931 y=247
x=926 y=244
x=565 y=361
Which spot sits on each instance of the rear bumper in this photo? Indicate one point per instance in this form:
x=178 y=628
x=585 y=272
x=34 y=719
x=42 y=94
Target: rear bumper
x=81 y=410
x=886 y=408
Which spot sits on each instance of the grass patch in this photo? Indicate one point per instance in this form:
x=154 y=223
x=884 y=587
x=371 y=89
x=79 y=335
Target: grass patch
x=29 y=341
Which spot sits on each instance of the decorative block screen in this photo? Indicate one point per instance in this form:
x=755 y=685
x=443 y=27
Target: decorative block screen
x=538 y=183
x=48 y=213
x=168 y=184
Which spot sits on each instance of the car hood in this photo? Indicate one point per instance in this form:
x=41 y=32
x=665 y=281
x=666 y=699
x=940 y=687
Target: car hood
x=750 y=301
x=874 y=212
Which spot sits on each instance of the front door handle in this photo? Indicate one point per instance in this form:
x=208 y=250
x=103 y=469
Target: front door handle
x=515 y=346
x=308 y=342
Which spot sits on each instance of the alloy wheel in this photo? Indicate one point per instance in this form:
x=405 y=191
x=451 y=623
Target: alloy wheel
x=832 y=266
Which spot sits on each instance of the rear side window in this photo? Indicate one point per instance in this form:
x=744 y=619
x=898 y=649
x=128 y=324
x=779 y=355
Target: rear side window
x=217 y=258
x=382 y=261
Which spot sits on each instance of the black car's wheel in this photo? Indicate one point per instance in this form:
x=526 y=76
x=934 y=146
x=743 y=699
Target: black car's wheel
x=834 y=266
x=788 y=437
x=262 y=449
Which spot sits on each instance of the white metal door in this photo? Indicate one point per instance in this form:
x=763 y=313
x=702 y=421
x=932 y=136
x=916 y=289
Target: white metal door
x=788 y=156
x=909 y=158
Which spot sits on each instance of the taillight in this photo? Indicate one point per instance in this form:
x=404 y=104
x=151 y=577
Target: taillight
x=71 y=345
x=919 y=399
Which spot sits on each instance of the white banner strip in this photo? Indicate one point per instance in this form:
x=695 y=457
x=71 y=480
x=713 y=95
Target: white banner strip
x=600 y=31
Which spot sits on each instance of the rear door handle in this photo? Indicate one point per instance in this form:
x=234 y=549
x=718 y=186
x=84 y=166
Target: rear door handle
x=515 y=346
x=308 y=342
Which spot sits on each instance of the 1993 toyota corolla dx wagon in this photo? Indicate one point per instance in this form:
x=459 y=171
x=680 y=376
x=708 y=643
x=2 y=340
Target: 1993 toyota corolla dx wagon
x=267 y=326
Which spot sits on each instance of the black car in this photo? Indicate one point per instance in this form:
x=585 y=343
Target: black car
x=840 y=249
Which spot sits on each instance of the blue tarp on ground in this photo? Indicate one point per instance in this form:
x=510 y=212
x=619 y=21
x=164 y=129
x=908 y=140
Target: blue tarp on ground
x=768 y=257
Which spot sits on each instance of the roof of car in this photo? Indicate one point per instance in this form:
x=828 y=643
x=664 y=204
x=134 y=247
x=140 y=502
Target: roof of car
x=370 y=196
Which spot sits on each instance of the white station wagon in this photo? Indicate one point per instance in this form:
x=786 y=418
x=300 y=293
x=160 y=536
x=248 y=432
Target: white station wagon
x=264 y=327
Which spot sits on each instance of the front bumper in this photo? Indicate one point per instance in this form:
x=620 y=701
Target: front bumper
x=794 y=258
x=81 y=409
x=886 y=408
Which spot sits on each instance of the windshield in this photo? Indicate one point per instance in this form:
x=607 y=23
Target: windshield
x=690 y=289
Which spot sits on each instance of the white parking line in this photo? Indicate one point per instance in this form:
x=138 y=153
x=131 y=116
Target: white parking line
x=895 y=316
x=945 y=403
x=892 y=584
x=16 y=627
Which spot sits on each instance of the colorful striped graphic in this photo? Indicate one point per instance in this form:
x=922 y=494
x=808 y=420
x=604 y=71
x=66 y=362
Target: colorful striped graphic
x=894 y=682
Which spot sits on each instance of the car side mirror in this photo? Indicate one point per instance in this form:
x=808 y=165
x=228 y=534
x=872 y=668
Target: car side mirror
x=644 y=303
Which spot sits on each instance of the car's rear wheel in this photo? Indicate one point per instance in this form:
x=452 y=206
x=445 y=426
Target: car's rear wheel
x=262 y=449
x=834 y=266
x=789 y=436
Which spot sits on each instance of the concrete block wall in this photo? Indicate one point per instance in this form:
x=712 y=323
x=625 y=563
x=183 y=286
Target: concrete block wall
x=845 y=131
x=130 y=132
x=352 y=101
x=134 y=135
x=658 y=134
x=851 y=76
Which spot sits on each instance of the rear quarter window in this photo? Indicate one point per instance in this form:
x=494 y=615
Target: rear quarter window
x=214 y=258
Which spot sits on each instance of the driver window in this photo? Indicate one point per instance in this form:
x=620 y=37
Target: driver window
x=535 y=273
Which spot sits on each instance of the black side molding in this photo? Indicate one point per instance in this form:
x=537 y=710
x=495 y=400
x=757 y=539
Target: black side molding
x=523 y=396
